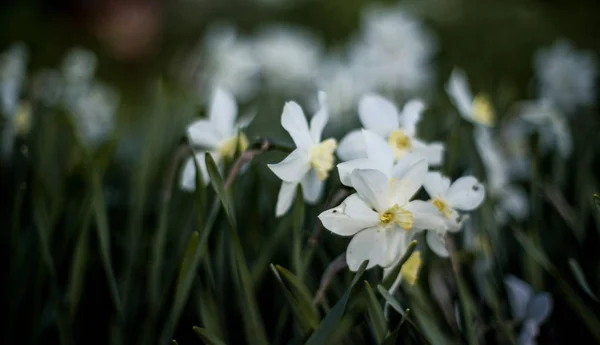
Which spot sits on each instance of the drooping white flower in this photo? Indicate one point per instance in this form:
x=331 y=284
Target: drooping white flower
x=381 y=116
x=312 y=160
x=394 y=51
x=13 y=65
x=529 y=309
x=218 y=134
x=465 y=194
x=566 y=76
x=477 y=109
x=288 y=57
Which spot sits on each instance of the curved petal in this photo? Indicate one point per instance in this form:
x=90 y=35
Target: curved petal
x=369 y=244
x=372 y=186
x=519 y=294
x=425 y=216
x=460 y=93
x=293 y=167
x=187 y=181
x=351 y=216
x=285 y=197
x=204 y=133
x=397 y=252
x=312 y=187
x=540 y=307
x=455 y=221
x=405 y=163
x=437 y=243
x=436 y=184
x=411 y=115
x=405 y=186
x=294 y=122
x=345 y=169
x=319 y=120
x=378 y=151
x=396 y=243
x=466 y=193
x=378 y=114
x=433 y=152
x=222 y=112
x=352 y=146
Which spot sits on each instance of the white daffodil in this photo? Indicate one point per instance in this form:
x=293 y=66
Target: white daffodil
x=478 y=109
x=465 y=194
x=381 y=116
x=218 y=134
x=528 y=308
x=312 y=160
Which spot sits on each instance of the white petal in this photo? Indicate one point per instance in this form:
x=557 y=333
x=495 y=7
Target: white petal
x=350 y=217
x=406 y=185
x=455 y=222
x=433 y=152
x=519 y=294
x=411 y=115
x=285 y=198
x=204 y=133
x=460 y=93
x=378 y=114
x=405 y=163
x=312 y=187
x=294 y=122
x=425 y=216
x=540 y=307
x=514 y=200
x=436 y=184
x=188 y=173
x=378 y=151
x=222 y=113
x=397 y=252
x=345 y=169
x=529 y=331
x=396 y=243
x=466 y=193
x=319 y=120
x=369 y=244
x=437 y=243
x=352 y=146
x=372 y=186
x=293 y=167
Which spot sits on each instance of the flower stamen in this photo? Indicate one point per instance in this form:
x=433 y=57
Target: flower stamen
x=228 y=147
x=397 y=215
x=483 y=111
x=400 y=143
x=321 y=158
x=442 y=207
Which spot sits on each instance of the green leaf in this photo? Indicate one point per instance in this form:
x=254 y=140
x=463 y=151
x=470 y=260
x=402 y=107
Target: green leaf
x=467 y=307
x=188 y=260
x=391 y=277
x=298 y=298
x=298 y=222
x=375 y=313
x=217 y=183
x=393 y=336
x=580 y=277
x=208 y=338
x=390 y=299
x=333 y=318
x=596 y=198
x=78 y=264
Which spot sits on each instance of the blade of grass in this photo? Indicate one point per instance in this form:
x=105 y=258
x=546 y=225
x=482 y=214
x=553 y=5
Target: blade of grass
x=375 y=313
x=207 y=337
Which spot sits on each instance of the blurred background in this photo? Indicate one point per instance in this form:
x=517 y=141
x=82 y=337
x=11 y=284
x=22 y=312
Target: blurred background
x=96 y=96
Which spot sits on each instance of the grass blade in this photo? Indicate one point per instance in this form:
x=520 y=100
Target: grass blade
x=208 y=338
x=580 y=277
x=375 y=313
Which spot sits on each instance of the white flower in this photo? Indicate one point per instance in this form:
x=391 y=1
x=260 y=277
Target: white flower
x=381 y=116
x=566 y=76
x=394 y=51
x=529 y=309
x=380 y=216
x=13 y=66
x=289 y=57
x=465 y=194
x=218 y=134
x=478 y=109
x=312 y=160
x=93 y=113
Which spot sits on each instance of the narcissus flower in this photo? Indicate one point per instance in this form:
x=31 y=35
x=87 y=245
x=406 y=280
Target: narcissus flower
x=312 y=160
x=478 y=109
x=465 y=194
x=219 y=135
x=381 y=117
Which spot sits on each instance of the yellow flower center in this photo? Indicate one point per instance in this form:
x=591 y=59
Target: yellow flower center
x=410 y=269
x=400 y=143
x=228 y=147
x=396 y=215
x=321 y=157
x=442 y=207
x=482 y=109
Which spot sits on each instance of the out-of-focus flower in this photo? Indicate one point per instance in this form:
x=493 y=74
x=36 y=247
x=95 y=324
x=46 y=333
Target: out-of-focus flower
x=312 y=160
x=478 y=109
x=566 y=76
x=412 y=266
x=218 y=135
x=48 y=86
x=228 y=62
x=528 y=308
x=381 y=116
x=465 y=194
x=394 y=51
x=13 y=64
x=288 y=57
